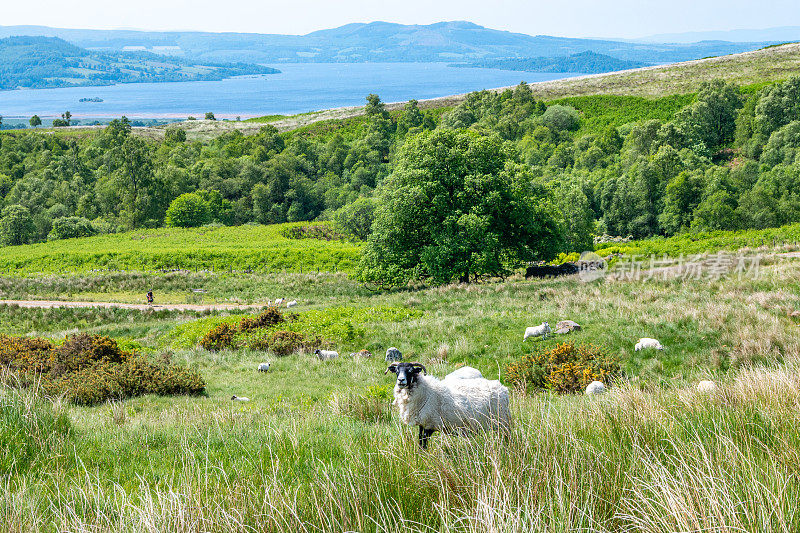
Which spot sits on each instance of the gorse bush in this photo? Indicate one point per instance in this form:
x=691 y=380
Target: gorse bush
x=90 y=369
x=219 y=338
x=564 y=369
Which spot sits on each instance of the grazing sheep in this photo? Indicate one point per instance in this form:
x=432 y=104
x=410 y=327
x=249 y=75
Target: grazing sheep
x=291 y=304
x=646 y=342
x=278 y=302
x=326 y=355
x=595 y=387
x=537 y=331
x=240 y=398
x=465 y=372
x=706 y=386
x=263 y=367
x=450 y=405
x=393 y=354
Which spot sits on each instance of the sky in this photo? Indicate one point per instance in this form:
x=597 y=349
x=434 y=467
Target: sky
x=573 y=18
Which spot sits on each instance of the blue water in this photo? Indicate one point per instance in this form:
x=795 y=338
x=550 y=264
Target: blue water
x=297 y=89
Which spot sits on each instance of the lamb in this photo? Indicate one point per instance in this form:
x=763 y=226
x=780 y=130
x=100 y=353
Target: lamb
x=240 y=398
x=326 y=355
x=537 y=331
x=706 y=386
x=595 y=388
x=263 y=367
x=393 y=354
x=455 y=405
x=291 y=304
x=465 y=372
x=646 y=342
x=278 y=302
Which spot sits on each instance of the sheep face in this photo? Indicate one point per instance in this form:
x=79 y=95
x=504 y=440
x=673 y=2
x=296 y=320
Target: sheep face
x=407 y=373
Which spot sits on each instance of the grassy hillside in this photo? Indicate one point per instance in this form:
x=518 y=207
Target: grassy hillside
x=320 y=447
x=39 y=62
x=248 y=247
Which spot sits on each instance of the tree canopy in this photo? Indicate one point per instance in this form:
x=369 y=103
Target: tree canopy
x=457 y=207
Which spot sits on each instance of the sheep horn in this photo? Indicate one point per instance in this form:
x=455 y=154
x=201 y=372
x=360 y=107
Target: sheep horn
x=424 y=370
x=393 y=365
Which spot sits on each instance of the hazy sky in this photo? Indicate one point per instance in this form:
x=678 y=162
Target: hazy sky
x=588 y=18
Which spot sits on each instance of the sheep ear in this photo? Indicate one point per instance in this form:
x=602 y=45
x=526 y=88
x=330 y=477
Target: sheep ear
x=391 y=368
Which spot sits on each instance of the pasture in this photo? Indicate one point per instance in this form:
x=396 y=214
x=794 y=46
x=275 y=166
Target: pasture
x=320 y=448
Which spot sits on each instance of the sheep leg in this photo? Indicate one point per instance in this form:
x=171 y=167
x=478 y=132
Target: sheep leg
x=424 y=435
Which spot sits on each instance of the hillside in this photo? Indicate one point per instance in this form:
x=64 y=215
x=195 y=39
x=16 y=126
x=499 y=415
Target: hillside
x=377 y=41
x=749 y=68
x=40 y=62
x=585 y=62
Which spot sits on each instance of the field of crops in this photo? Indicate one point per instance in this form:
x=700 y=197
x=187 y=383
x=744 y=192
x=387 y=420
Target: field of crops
x=219 y=249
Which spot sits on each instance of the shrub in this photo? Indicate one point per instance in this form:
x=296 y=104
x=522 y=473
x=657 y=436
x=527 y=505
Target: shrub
x=70 y=228
x=564 y=369
x=283 y=342
x=218 y=338
x=90 y=369
x=188 y=211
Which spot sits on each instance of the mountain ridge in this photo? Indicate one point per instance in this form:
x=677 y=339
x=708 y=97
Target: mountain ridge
x=379 y=41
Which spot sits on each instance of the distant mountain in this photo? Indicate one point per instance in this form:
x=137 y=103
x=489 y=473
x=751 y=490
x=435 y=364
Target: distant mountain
x=585 y=62
x=38 y=62
x=783 y=34
x=376 y=41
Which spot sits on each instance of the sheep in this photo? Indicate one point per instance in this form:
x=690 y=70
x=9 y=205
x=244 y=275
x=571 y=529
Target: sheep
x=278 y=302
x=465 y=372
x=240 y=398
x=595 y=387
x=263 y=367
x=449 y=405
x=535 y=331
x=706 y=386
x=393 y=354
x=646 y=342
x=326 y=355
x=291 y=304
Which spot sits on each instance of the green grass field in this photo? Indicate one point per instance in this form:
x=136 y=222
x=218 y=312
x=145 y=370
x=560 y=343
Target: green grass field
x=320 y=448
x=224 y=249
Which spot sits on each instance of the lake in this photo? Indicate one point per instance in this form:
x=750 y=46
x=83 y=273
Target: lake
x=298 y=88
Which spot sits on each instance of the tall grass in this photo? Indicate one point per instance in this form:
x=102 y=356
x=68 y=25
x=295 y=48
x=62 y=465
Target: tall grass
x=633 y=460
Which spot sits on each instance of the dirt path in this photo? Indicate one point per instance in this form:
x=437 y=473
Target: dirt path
x=49 y=304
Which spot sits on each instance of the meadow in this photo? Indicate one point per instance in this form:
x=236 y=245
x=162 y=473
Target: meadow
x=318 y=447
x=225 y=249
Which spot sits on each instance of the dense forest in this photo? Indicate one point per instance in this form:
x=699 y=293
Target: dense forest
x=585 y=62
x=39 y=62
x=723 y=158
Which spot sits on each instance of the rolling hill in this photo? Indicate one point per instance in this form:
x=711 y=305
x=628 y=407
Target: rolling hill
x=39 y=62
x=376 y=41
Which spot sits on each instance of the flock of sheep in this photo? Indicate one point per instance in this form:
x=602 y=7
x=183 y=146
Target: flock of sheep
x=463 y=401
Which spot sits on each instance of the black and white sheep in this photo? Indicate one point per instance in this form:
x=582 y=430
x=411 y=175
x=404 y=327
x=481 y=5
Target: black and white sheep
x=263 y=367
x=326 y=355
x=456 y=405
x=393 y=354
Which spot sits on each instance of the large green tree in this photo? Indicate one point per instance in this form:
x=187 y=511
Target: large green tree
x=16 y=225
x=457 y=207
